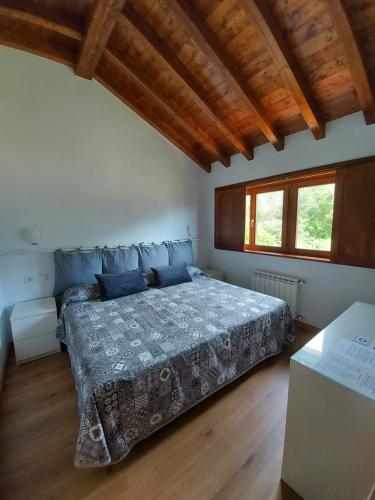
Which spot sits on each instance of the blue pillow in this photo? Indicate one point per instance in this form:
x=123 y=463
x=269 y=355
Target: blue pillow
x=180 y=252
x=119 y=260
x=76 y=267
x=114 y=286
x=171 y=275
x=152 y=256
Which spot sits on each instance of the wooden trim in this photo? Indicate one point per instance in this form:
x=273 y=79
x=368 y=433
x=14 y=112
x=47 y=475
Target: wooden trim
x=289 y=255
x=209 y=44
x=196 y=91
x=306 y=172
x=363 y=85
x=103 y=18
x=168 y=133
x=185 y=121
x=41 y=22
x=283 y=56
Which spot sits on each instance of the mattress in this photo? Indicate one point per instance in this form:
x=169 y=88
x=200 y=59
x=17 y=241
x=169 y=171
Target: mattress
x=142 y=360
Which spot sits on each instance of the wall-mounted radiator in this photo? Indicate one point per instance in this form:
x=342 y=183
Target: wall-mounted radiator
x=282 y=287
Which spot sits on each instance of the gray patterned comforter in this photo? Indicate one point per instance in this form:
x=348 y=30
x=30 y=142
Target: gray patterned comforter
x=142 y=360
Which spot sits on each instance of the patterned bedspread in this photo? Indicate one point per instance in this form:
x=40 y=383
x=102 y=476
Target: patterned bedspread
x=142 y=360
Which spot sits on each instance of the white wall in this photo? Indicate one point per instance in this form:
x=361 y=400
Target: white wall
x=79 y=164
x=329 y=288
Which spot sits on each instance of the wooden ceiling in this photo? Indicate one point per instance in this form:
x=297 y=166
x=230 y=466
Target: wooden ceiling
x=216 y=77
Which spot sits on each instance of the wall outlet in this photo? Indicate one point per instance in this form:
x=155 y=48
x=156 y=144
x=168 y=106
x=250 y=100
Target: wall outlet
x=36 y=278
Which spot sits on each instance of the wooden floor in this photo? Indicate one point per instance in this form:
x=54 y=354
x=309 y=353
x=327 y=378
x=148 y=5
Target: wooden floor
x=229 y=447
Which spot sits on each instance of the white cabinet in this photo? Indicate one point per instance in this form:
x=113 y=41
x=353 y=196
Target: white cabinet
x=214 y=273
x=329 y=451
x=34 y=329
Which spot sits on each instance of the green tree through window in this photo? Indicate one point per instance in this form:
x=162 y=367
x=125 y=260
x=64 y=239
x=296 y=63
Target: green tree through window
x=314 y=217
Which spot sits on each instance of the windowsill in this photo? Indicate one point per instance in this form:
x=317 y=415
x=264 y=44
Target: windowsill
x=290 y=255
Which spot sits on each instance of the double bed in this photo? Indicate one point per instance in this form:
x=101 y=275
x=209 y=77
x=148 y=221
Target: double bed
x=142 y=360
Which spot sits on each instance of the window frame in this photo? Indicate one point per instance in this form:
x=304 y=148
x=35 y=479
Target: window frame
x=290 y=187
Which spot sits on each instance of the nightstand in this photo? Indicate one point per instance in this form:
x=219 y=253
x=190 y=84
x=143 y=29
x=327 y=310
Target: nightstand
x=214 y=273
x=34 y=329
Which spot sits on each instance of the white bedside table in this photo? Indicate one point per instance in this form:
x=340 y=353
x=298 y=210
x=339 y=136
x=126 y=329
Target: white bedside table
x=34 y=329
x=214 y=273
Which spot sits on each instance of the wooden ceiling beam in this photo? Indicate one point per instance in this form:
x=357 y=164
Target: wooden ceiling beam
x=209 y=44
x=103 y=18
x=160 y=125
x=354 y=58
x=40 y=22
x=184 y=120
x=275 y=41
x=36 y=51
x=196 y=91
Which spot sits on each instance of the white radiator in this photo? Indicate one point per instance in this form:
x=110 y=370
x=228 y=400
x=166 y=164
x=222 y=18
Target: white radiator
x=282 y=287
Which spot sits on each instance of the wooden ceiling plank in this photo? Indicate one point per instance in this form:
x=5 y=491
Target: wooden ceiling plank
x=161 y=128
x=209 y=45
x=103 y=18
x=196 y=91
x=185 y=121
x=275 y=41
x=41 y=22
x=354 y=59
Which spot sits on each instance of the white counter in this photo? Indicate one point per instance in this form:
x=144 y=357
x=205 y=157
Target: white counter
x=329 y=451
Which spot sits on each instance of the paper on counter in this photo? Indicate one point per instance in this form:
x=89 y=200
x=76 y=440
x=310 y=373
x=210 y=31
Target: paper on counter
x=352 y=365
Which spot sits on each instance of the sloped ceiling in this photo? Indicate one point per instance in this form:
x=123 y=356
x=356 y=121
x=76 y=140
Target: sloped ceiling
x=216 y=77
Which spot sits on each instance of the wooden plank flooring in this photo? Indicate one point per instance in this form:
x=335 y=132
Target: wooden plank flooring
x=228 y=447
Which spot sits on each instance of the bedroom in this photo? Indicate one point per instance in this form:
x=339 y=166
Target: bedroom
x=159 y=126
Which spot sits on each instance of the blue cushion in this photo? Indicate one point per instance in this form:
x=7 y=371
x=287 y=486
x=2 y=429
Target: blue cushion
x=171 y=275
x=76 y=267
x=119 y=260
x=180 y=252
x=114 y=286
x=152 y=256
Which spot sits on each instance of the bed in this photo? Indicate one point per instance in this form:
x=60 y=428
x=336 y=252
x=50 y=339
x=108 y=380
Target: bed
x=142 y=360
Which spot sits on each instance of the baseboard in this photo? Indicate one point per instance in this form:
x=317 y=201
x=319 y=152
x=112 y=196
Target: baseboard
x=306 y=327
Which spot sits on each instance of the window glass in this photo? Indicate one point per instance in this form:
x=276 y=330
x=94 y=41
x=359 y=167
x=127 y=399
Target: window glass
x=269 y=218
x=314 y=217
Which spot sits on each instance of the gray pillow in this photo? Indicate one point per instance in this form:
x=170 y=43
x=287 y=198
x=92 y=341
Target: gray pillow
x=171 y=275
x=152 y=256
x=118 y=260
x=76 y=267
x=114 y=286
x=180 y=252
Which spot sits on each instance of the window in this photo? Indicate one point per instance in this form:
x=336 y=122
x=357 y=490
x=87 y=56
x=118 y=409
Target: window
x=314 y=216
x=293 y=218
x=324 y=213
